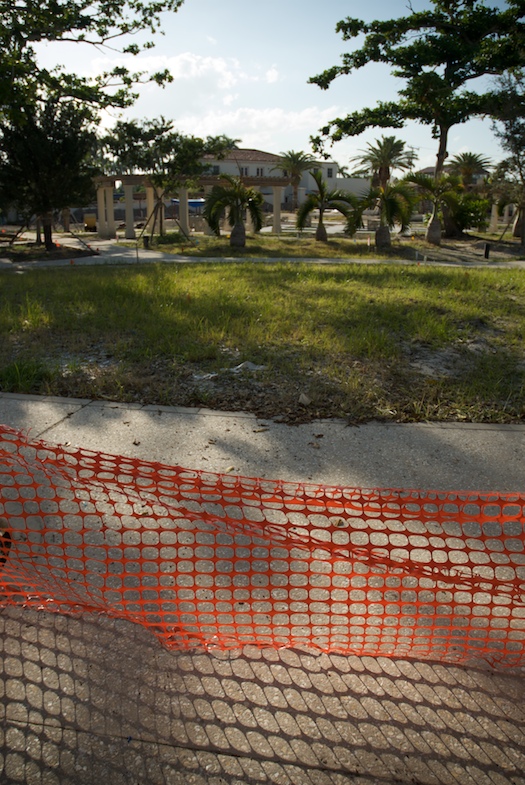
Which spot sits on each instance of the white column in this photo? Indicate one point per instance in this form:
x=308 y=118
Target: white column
x=150 y=205
x=277 y=196
x=110 y=212
x=101 y=209
x=184 y=212
x=493 y=225
x=128 y=203
x=250 y=229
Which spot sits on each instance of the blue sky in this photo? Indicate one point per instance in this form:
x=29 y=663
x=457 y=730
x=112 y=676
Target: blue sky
x=242 y=69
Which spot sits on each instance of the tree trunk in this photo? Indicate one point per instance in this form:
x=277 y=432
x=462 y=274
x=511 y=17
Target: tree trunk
x=452 y=230
x=47 y=225
x=519 y=224
x=320 y=233
x=433 y=235
x=238 y=236
x=295 y=196
x=382 y=237
x=66 y=219
x=39 y=231
x=442 y=152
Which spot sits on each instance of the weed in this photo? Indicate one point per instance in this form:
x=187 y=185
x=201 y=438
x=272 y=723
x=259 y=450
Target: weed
x=359 y=340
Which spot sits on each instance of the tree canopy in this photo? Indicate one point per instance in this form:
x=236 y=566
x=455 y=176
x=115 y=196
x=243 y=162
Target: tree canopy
x=98 y=23
x=439 y=53
x=171 y=159
x=46 y=162
x=509 y=127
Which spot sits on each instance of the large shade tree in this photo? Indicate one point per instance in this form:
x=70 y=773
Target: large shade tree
x=439 y=54
x=96 y=23
x=509 y=126
x=46 y=160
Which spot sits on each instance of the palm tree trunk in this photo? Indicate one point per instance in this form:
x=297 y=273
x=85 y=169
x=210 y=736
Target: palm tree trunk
x=452 y=230
x=382 y=237
x=433 y=234
x=238 y=235
x=47 y=225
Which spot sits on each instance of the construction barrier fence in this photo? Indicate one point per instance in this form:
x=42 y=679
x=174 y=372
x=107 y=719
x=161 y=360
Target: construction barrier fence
x=220 y=561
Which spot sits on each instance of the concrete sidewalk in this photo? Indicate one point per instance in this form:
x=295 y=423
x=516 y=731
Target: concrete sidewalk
x=110 y=253
x=91 y=699
x=448 y=456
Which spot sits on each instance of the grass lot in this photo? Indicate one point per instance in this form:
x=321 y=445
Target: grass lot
x=391 y=342
x=409 y=247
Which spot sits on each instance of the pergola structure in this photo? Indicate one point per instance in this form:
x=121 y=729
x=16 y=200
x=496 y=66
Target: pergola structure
x=106 y=212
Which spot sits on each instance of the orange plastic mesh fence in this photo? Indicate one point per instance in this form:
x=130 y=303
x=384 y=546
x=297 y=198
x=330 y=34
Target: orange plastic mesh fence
x=216 y=560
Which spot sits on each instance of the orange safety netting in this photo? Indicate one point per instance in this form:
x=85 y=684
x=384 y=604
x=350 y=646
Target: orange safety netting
x=216 y=560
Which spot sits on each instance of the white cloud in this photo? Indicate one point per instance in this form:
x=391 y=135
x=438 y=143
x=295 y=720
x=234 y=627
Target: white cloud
x=223 y=72
x=269 y=128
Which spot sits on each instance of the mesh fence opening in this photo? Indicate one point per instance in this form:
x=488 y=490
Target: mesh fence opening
x=216 y=560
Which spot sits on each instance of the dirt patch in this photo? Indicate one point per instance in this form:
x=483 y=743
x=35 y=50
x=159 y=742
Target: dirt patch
x=31 y=252
x=474 y=250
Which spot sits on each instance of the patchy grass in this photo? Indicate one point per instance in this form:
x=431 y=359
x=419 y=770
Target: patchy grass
x=292 y=245
x=391 y=342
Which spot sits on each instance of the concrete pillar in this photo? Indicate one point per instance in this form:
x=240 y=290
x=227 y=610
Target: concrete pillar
x=493 y=225
x=250 y=229
x=101 y=209
x=110 y=212
x=184 y=212
x=128 y=203
x=277 y=196
x=150 y=205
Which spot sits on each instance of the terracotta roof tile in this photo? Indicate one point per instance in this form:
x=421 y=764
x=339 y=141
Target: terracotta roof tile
x=247 y=155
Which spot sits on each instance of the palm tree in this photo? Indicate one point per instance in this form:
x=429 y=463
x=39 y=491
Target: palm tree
x=467 y=165
x=324 y=200
x=394 y=204
x=295 y=164
x=343 y=171
x=379 y=160
x=235 y=199
x=439 y=192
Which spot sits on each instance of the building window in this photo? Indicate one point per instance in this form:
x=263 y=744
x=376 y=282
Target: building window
x=329 y=172
x=244 y=171
x=260 y=171
x=216 y=169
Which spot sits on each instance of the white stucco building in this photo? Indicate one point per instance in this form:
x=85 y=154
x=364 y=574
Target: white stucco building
x=256 y=168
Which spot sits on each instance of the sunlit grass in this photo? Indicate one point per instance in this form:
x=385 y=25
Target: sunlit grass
x=343 y=334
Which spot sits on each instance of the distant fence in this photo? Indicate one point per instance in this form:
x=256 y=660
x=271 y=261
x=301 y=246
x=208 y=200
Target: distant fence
x=221 y=561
